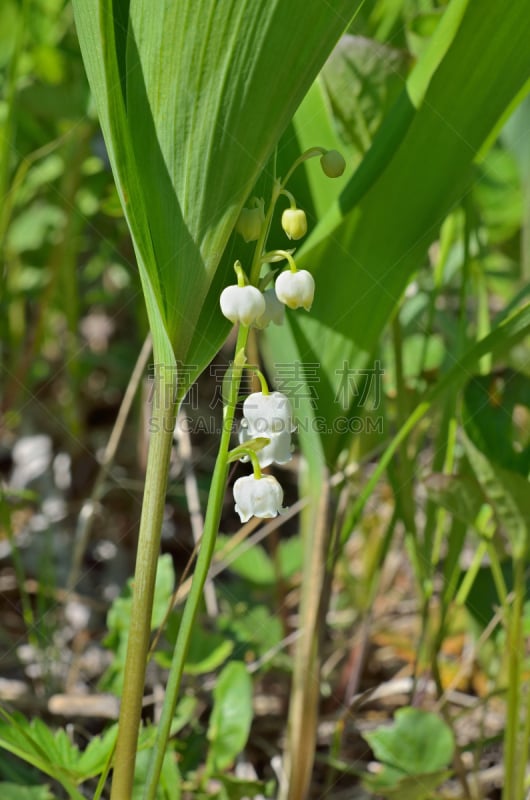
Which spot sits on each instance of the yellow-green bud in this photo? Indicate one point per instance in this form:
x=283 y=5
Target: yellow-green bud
x=294 y=223
x=250 y=222
x=333 y=164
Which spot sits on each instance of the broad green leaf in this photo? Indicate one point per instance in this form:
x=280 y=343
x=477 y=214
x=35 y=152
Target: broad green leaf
x=362 y=79
x=290 y=555
x=514 y=137
x=94 y=757
x=231 y=716
x=8 y=30
x=207 y=651
x=190 y=116
x=169 y=785
x=490 y=405
x=417 y=742
x=251 y=563
x=119 y=616
x=12 y=791
x=390 y=784
x=255 y=565
x=255 y=629
x=240 y=789
x=459 y=494
x=483 y=600
x=358 y=83
x=35 y=227
x=312 y=126
x=498 y=194
x=51 y=752
x=368 y=246
x=184 y=713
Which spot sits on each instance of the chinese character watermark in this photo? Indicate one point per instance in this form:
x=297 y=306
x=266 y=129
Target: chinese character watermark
x=298 y=380
x=359 y=387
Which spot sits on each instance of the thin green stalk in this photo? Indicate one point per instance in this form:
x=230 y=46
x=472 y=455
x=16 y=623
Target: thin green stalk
x=441 y=513
x=405 y=471
x=447 y=235
x=7 y=129
x=483 y=309
x=514 y=760
x=471 y=574
x=496 y=571
x=163 y=423
x=65 y=258
x=465 y=284
x=211 y=527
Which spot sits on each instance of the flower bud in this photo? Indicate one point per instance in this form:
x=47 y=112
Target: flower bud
x=295 y=289
x=274 y=310
x=243 y=304
x=333 y=164
x=294 y=223
x=250 y=222
x=258 y=497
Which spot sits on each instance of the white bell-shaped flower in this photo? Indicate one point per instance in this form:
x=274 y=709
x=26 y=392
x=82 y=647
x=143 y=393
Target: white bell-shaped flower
x=269 y=416
x=295 y=289
x=243 y=304
x=258 y=497
x=274 y=311
x=268 y=413
x=278 y=451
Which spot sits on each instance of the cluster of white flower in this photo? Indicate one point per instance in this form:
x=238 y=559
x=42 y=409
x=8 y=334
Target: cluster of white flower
x=268 y=416
x=249 y=306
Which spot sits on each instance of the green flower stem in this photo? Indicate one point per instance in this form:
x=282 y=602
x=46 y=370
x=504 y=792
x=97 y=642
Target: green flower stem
x=277 y=189
x=211 y=527
x=241 y=277
x=277 y=254
x=262 y=379
x=311 y=153
x=163 y=423
x=290 y=197
x=471 y=574
x=255 y=464
x=265 y=228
